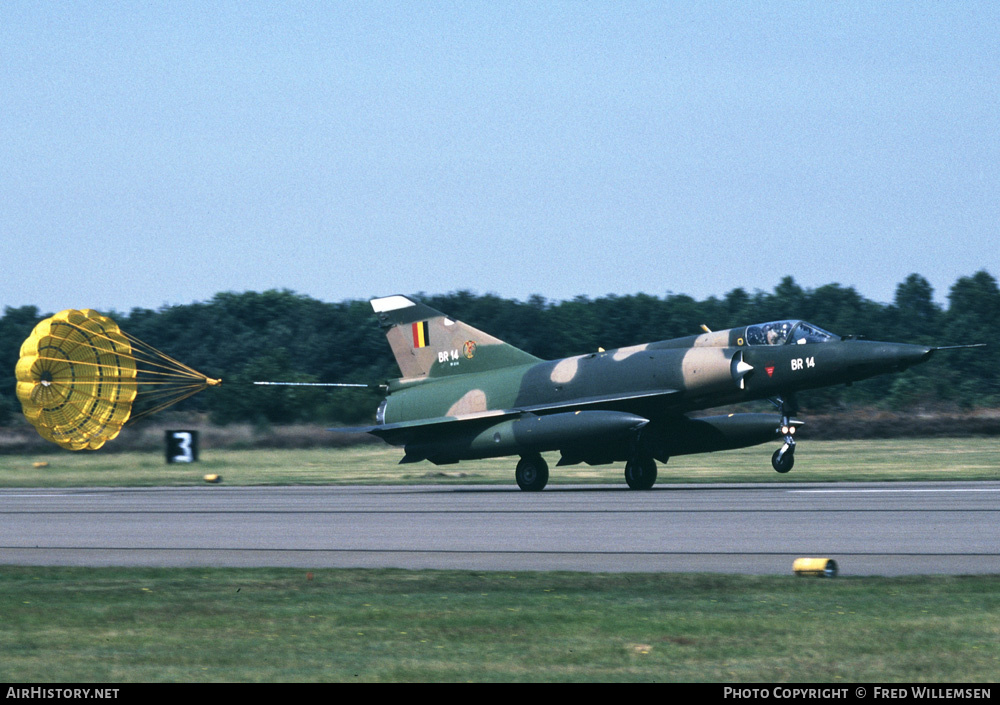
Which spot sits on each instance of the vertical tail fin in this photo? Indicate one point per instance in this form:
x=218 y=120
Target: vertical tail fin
x=426 y=343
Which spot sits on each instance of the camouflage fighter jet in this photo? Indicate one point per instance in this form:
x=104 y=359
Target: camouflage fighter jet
x=465 y=394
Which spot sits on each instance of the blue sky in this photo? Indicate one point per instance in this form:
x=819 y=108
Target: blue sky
x=157 y=153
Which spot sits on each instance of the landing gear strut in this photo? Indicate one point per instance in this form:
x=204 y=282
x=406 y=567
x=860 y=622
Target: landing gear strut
x=640 y=468
x=532 y=473
x=784 y=458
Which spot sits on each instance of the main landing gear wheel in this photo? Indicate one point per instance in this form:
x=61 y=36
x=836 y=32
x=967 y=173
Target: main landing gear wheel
x=783 y=459
x=640 y=473
x=532 y=473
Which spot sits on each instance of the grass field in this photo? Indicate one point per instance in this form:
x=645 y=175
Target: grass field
x=126 y=625
x=815 y=461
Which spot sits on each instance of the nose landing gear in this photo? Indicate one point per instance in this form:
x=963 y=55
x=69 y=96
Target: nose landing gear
x=784 y=458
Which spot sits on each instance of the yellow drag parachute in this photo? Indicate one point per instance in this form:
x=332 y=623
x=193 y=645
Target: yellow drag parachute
x=79 y=375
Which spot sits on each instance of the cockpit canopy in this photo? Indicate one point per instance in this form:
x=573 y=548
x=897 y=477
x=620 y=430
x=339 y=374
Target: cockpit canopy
x=787 y=333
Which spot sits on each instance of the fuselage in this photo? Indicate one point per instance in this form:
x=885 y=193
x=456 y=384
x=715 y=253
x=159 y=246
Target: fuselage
x=666 y=377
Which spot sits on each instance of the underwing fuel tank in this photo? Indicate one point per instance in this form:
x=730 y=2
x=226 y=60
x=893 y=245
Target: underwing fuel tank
x=528 y=434
x=711 y=433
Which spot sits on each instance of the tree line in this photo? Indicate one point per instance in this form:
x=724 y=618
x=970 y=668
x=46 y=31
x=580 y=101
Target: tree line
x=285 y=336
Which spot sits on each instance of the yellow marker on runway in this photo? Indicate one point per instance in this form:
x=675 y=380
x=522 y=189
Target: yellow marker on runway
x=817 y=567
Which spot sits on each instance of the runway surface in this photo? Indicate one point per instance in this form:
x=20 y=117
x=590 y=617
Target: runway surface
x=868 y=528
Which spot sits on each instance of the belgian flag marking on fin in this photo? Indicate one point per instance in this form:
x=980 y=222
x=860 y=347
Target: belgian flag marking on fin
x=420 y=334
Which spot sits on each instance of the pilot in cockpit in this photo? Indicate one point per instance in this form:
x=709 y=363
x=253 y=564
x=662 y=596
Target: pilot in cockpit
x=777 y=333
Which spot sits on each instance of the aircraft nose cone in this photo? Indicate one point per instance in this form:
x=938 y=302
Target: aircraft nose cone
x=918 y=354
x=903 y=355
x=866 y=359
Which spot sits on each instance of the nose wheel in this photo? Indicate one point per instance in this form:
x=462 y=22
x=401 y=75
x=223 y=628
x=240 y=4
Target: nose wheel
x=783 y=458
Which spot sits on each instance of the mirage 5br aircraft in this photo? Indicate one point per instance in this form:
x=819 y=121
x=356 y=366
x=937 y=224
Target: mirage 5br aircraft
x=464 y=394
